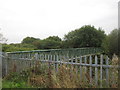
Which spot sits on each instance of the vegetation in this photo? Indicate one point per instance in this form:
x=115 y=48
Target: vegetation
x=16 y=47
x=111 y=43
x=42 y=76
x=86 y=36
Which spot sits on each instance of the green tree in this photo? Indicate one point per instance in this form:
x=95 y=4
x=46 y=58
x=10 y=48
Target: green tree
x=111 y=42
x=37 y=44
x=54 y=38
x=52 y=42
x=86 y=36
x=29 y=40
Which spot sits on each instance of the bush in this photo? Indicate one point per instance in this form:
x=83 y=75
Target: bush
x=110 y=44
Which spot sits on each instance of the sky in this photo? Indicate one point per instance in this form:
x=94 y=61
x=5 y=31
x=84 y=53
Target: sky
x=44 y=18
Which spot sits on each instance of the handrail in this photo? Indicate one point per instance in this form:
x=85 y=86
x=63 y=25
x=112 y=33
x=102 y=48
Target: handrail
x=51 y=50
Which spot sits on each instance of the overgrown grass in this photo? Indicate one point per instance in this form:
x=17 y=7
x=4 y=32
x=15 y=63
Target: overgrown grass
x=20 y=84
x=44 y=76
x=15 y=80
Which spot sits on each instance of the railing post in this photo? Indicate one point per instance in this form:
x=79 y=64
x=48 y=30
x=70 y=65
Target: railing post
x=67 y=57
x=40 y=56
x=85 y=64
x=36 y=56
x=96 y=70
x=6 y=64
x=51 y=56
x=48 y=60
x=107 y=72
x=90 y=69
x=45 y=56
x=60 y=59
x=56 y=63
x=101 y=63
x=80 y=68
x=76 y=61
x=72 y=67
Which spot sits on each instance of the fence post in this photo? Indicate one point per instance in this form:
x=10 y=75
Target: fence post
x=85 y=64
x=67 y=58
x=101 y=63
x=6 y=64
x=51 y=56
x=107 y=72
x=54 y=62
x=36 y=56
x=96 y=70
x=45 y=56
x=76 y=61
x=57 y=63
x=60 y=57
x=90 y=69
x=72 y=66
x=29 y=56
x=40 y=55
x=80 y=68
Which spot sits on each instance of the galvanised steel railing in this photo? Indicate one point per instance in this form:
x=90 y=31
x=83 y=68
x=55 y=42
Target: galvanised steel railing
x=63 y=52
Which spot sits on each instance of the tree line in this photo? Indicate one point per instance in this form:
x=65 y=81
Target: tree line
x=86 y=36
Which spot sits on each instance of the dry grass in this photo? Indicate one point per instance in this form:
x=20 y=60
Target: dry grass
x=114 y=72
x=66 y=77
x=43 y=76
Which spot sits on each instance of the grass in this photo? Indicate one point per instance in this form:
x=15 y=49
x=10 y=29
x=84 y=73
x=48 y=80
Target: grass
x=15 y=80
x=42 y=76
x=9 y=84
x=0 y=83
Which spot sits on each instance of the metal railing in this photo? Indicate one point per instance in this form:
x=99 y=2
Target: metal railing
x=96 y=65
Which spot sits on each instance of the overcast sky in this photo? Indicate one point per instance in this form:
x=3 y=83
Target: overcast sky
x=43 y=18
